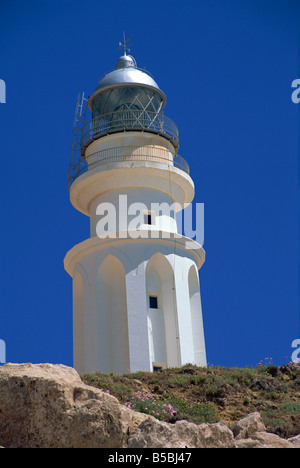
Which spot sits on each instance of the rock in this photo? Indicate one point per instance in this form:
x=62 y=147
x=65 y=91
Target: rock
x=45 y=405
x=248 y=443
x=268 y=440
x=154 y=434
x=295 y=441
x=264 y=440
x=247 y=426
x=250 y=432
x=216 y=435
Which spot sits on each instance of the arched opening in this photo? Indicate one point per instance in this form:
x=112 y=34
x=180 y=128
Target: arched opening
x=78 y=323
x=196 y=317
x=113 y=342
x=162 y=321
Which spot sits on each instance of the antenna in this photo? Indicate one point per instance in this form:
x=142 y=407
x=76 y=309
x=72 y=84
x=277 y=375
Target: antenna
x=77 y=162
x=125 y=44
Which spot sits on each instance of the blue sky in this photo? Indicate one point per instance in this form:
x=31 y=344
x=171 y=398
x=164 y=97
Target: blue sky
x=226 y=67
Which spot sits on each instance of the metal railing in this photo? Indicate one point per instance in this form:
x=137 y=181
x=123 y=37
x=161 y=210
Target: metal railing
x=129 y=120
x=129 y=154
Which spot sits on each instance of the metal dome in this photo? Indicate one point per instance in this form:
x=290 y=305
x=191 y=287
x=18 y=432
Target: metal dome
x=125 y=73
x=126 y=61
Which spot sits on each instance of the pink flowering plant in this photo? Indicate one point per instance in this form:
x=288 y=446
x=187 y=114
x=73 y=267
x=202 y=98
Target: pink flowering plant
x=292 y=369
x=145 y=402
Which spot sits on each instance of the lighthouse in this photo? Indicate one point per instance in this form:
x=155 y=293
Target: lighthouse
x=136 y=292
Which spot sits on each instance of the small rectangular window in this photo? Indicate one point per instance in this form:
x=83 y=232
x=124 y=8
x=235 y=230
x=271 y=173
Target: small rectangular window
x=158 y=366
x=153 y=302
x=148 y=218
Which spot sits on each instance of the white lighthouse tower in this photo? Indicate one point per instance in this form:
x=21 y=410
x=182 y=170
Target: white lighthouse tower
x=136 y=294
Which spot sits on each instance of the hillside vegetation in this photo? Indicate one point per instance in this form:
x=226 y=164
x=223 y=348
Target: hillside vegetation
x=211 y=394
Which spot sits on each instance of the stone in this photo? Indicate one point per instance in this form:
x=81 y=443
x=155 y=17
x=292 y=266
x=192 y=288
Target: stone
x=248 y=425
x=154 y=434
x=216 y=435
x=265 y=440
x=45 y=405
x=295 y=441
x=268 y=440
x=248 y=443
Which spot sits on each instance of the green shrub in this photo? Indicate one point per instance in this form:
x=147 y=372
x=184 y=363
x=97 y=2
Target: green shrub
x=290 y=407
x=197 y=413
x=272 y=370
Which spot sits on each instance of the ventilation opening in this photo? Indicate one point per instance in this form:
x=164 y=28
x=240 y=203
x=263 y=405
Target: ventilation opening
x=153 y=302
x=158 y=366
x=149 y=217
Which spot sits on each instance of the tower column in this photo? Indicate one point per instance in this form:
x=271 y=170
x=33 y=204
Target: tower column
x=185 y=330
x=137 y=319
x=85 y=321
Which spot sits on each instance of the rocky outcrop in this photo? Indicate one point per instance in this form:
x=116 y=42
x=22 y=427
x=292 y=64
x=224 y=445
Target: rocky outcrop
x=250 y=432
x=264 y=440
x=152 y=433
x=46 y=405
x=248 y=426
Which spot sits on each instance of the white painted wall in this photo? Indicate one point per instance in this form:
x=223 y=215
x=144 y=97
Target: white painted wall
x=156 y=322
x=78 y=323
x=132 y=145
x=119 y=332
x=196 y=318
x=113 y=348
